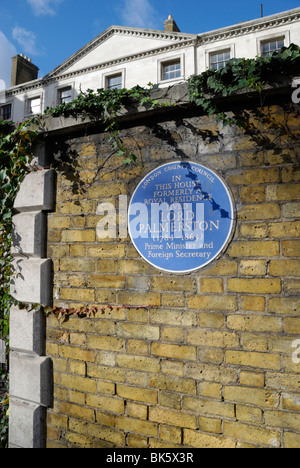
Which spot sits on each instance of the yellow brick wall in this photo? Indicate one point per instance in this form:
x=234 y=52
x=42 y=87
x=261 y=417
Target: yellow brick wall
x=198 y=360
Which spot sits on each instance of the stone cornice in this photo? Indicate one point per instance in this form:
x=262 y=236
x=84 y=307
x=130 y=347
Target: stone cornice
x=250 y=27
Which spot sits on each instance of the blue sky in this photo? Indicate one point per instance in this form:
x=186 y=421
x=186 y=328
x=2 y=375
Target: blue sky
x=50 y=31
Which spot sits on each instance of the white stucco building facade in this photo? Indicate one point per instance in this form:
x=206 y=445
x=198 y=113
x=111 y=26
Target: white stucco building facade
x=126 y=57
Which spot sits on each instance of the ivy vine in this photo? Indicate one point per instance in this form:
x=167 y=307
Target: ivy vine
x=242 y=74
x=106 y=105
x=15 y=156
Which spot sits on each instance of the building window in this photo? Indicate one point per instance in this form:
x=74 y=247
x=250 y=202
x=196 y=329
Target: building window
x=171 y=70
x=34 y=105
x=65 y=95
x=271 y=46
x=5 y=112
x=219 y=60
x=114 y=81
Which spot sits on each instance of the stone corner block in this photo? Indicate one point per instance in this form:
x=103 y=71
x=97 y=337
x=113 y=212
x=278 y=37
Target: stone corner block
x=29 y=234
x=31 y=280
x=27 y=331
x=31 y=378
x=36 y=192
x=27 y=423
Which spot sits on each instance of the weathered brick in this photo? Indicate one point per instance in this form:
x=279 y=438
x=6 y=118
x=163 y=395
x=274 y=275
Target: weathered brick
x=284 y=305
x=172 y=284
x=107 y=343
x=172 y=334
x=285 y=268
x=106 y=281
x=257 y=323
x=106 y=251
x=291 y=248
x=222 y=267
x=291 y=440
x=292 y=325
x=252 y=379
x=211 y=373
x=254 y=230
x=283 y=381
x=282 y=419
x=172 y=418
x=212 y=285
x=109 y=435
x=259 y=212
x=113 y=405
x=170 y=400
x=213 y=302
x=77 y=294
x=142 y=395
x=78 y=412
x=212 y=407
x=257 y=303
x=284 y=229
x=139 y=299
x=218 y=339
x=252 y=434
x=211 y=319
x=58 y=222
x=252 y=396
x=173 y=384
x=77 y=264
x=200 y=440
x=130 y=330
x=78 y=383
x=137 y=426
x=77 y=353
x=283 y=192
x=257 y=176
x=136 y=410
x=173 y=351
x=254 y=342
x=106 y=190
x=291 y=210
x=254 y=249
x=173 y=317
x=253 y=194
x=252 y=359
x=139 y=363
x=256 y=286
x=169 y=433
x=253 y=267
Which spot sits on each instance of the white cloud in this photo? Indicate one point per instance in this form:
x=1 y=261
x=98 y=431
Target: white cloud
x=138 y=13
x=44 y=7
x=7 y=51
x=26 y=39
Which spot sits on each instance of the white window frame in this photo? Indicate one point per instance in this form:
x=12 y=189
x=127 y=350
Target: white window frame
x=168 y=60
x=111 y=74
x=58 y=90
x=219 y=50
x=273 y=37
x=27 y=104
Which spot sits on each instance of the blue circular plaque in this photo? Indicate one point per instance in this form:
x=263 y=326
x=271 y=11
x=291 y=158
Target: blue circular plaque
x=181 y=217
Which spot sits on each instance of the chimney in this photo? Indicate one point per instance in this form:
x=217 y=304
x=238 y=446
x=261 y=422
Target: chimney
x=170 y=25
x=23 y=70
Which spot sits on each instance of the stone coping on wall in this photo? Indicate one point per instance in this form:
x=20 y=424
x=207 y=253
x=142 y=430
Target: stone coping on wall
x=176 y=95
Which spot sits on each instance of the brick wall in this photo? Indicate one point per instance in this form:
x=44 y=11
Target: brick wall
x=198 y=360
